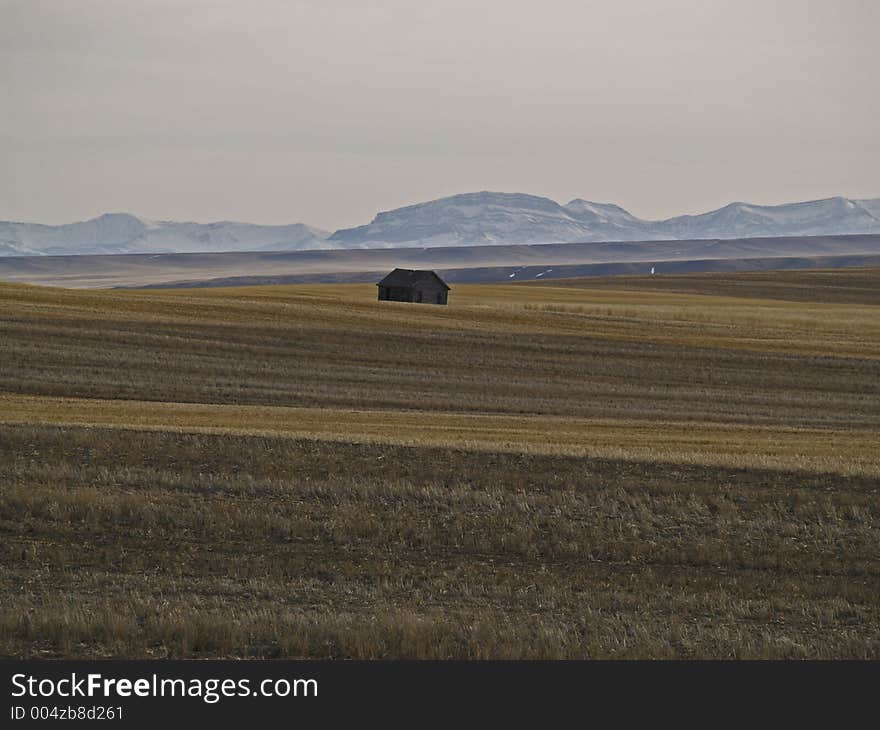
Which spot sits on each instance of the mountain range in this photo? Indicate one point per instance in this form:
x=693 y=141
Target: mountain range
x=483 y=218
x=118 y=233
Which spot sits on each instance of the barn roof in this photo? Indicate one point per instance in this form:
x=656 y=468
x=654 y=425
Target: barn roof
x=409 y=277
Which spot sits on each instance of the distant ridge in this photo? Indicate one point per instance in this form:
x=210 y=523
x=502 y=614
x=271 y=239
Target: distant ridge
x=121 y=233
x=510 y=218
x=509 y=263
x=502 y=275
x=468 y=219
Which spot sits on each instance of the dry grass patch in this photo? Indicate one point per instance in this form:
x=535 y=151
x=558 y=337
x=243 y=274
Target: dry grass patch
x=814 y=450
x=160 y=544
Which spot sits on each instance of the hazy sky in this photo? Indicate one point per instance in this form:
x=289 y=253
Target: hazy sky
x=326 y=111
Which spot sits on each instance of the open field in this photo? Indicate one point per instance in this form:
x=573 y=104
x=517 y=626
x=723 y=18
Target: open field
x=680 y=466
x=858 y=285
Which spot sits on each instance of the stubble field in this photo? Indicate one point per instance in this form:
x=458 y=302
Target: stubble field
x=656 y=467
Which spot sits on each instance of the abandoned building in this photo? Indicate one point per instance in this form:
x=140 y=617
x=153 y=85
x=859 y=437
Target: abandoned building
x=406 y=285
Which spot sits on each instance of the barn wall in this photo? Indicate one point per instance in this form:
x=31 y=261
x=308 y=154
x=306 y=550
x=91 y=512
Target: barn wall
x=428 y=289
x=394 y=294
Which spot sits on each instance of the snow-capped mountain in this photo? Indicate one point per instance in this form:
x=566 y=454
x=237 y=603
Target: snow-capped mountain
x=460 y=220
x=488 y=218
x=471 y=218
x=123 y=233
x=485 y=218
x=816 y=217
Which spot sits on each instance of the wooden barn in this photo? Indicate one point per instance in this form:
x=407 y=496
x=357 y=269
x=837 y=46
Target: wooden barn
x=407 y=285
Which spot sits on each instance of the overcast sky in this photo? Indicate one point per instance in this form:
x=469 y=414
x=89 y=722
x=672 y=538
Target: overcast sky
x=326 y=111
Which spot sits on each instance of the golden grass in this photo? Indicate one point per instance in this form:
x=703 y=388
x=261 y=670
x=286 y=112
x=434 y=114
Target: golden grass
x=662 y=317
x=306 y=316
x=816 y=450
